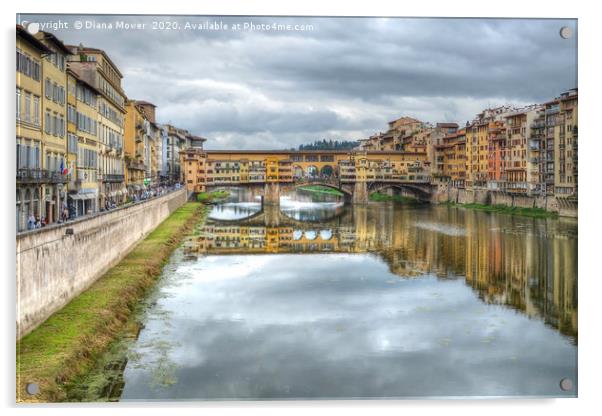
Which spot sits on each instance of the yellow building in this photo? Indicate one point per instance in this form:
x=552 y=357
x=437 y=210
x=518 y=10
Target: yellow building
x=135 y=147
x=82 y=145
x=54 y=125
x=154 y=154
x=30 y=175
x=477 y=145
x=96 y=68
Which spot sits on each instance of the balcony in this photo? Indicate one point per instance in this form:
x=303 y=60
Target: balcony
x=113 y=178
x=29 y=175
x=538 y=124
x=135 y=165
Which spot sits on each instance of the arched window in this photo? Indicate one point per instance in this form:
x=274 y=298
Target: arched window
x=27 y=204
x=36 y=201
x=19 y=212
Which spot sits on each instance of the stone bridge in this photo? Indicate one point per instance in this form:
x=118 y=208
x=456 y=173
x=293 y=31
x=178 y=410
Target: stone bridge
x=272 y=216
x=353 y=192
x=356 y=174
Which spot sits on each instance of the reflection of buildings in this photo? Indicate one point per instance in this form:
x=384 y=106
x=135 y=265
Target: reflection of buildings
x=533 y=271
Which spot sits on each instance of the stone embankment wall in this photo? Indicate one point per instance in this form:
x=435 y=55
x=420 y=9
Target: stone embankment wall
x=563 y=206
x=56 y=263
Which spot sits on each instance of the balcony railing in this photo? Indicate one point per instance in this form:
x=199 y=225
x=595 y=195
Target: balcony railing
x=538 y=124
x=136 y=165
x=29 y=175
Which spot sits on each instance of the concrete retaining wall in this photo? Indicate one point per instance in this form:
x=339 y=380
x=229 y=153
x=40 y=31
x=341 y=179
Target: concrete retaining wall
x=562 y=206
x=54 y=266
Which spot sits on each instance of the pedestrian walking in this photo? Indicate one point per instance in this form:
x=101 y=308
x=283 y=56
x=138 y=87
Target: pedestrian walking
x=31 y=222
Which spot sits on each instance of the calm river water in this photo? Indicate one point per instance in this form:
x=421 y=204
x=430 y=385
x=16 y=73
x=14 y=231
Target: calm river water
x=320 y=300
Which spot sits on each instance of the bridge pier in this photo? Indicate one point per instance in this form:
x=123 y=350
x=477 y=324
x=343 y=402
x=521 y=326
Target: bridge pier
x=271 y=193
x=360 y=193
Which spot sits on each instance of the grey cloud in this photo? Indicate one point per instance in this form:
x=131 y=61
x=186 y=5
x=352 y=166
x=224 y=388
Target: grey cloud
x=344 y=79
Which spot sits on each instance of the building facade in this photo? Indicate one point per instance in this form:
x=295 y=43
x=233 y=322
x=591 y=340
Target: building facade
x=135 y=148
x=561 y=126
x=96 y=68
x=54 y=126
x=82 y=146
x=30 y=176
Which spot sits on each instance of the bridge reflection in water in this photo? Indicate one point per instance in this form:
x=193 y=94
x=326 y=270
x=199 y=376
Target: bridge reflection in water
x=526 y=264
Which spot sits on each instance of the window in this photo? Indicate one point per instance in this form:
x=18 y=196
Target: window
x=62 y=126
x=72 y=143
x=48 y=88
x=28 y=66
x=36 y=110
x=55 y=125
x=71 y=114
x=36 y=161
x=18 y=103
x=47 y=122
x=28 y=107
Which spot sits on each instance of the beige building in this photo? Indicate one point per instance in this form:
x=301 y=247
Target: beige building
x=96 y=68
x=520 y=165
x=561 y=145
x=82 y=145
x=54 y=126
x=30 y=176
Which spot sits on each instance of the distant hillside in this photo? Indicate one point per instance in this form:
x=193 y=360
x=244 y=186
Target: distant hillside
x=330 y=145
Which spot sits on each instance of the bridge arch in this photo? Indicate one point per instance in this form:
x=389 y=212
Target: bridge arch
x=419 y=192
x=312 y=171
x=326 y=184
x=326 y=171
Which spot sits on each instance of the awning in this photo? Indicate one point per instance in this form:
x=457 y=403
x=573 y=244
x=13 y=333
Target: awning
x=82 y=196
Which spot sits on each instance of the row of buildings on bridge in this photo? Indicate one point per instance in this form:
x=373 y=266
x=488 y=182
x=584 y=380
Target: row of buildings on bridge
x=530 y=150
x=81 y=145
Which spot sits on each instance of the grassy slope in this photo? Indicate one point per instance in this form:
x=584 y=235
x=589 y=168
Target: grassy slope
x=380 y=197
x=503 y=209
x=321 y=190
x=67 y=344
x=212 y=196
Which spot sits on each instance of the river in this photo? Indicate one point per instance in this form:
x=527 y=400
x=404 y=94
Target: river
x=322 y=300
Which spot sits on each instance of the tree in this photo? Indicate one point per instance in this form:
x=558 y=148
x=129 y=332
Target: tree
x=329 y=145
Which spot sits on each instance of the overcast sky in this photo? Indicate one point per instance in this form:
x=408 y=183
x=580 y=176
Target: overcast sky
x=343 y=78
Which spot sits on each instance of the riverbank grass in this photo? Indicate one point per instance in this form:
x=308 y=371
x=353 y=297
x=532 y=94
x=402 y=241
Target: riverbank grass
x=503 y=209
x=212 y=197
x=319 y=189
x=68 y=343
x=382 y=197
